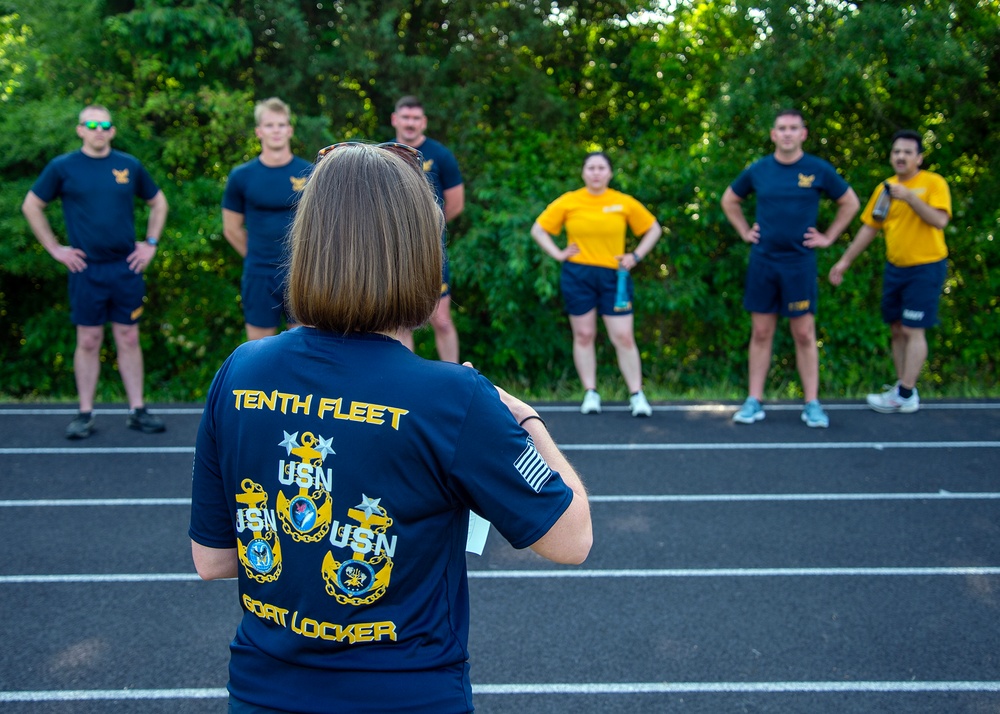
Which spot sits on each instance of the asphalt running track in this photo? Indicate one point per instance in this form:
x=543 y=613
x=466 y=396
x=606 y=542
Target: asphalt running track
x=760 y=568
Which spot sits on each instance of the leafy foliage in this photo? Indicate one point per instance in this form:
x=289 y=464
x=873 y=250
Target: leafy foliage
x=682 y=100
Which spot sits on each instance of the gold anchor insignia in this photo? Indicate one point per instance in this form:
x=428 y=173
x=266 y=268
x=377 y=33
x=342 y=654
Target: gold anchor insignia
x=806 y=181
x=376 y=520
x=253 y=496
x=324 y=511
x=120 y=176
x=297 y=183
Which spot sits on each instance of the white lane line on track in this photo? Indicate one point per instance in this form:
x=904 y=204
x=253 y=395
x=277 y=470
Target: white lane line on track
x=89 y=502
x=87 y=451
x=539 y=574
x=737 y=687
x=773 y=497
x=782 y=446
x=639 y=498
x=863 y=687
x=730 y=408
x=59 y=411
x=551 y=408
x=707 y=446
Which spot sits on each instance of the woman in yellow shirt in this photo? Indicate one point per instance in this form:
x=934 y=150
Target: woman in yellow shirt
x=596 y=218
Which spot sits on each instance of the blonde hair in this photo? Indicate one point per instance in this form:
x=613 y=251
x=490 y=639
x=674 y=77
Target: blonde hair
x=272 y=104
x=366 y=244
x=94 y=107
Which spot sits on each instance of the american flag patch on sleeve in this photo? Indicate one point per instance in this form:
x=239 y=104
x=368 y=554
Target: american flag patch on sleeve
x=532 y=467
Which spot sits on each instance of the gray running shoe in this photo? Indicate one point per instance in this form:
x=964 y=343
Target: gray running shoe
x=141 y=420
x=81 y=427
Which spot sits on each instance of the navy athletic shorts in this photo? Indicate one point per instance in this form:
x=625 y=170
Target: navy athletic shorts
x=911 y=295
x=585 y=287
x=789 y=289
x=264 y=300
x=445 y=277
x=106 y=292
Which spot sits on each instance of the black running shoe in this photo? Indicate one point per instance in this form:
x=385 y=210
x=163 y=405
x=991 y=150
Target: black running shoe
x=81 y=427
x=141 y=420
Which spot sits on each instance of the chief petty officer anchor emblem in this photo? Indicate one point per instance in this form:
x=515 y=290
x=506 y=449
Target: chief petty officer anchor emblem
x=261 y=557
x=306 y=517
x=364 y=577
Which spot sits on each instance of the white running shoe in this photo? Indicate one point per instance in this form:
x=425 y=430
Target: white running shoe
x=890 y=402
x=591 y=403
x=640 y=407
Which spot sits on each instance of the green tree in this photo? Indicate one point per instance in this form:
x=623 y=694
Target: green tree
x=681 y=95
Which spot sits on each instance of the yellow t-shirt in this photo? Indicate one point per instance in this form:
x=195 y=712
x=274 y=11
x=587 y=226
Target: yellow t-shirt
x=596 y=223
x=909 y=239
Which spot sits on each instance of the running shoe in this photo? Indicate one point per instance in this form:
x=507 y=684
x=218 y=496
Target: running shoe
x=890 y=402
x=81 y=427
x=750 y=412
x=591 y=403
x=640 y=407
x=141 y=420
x=814 y=416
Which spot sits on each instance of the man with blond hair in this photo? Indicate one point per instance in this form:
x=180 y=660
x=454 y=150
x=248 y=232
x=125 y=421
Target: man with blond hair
x=258 y=207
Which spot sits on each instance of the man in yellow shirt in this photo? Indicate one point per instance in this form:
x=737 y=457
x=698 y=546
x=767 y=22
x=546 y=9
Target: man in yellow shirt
x=916 y=263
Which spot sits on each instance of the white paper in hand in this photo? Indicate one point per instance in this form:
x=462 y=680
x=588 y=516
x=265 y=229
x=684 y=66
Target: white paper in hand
x=479 y=528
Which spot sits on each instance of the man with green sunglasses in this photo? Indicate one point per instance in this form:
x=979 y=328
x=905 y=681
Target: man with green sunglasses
x=98 y=187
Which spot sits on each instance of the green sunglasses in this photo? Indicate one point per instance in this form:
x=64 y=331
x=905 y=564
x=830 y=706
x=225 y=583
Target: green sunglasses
x=94 y=125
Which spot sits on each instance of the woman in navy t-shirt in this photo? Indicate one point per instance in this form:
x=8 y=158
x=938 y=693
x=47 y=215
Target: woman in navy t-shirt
x=335 y=470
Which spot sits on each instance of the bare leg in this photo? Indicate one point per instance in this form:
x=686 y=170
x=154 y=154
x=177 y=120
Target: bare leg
x=445 y=334
x=915 y=354
x=803 y=330
x=584 y=329
x=87 y=363
x=762 y=327
x=130 y=364
x=622 y=333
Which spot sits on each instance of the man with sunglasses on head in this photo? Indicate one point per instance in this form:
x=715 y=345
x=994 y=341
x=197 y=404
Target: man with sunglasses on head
x=442 y=171
x=98 y=187
x=258 y=208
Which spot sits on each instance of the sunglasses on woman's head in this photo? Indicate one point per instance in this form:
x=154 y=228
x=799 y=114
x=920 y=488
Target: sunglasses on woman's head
x=408 y=153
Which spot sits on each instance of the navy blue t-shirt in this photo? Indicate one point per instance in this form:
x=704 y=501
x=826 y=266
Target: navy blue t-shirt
x=440 y=167
x=267 y=197
x=788 y=202
x=343 y=469
x=98 y=200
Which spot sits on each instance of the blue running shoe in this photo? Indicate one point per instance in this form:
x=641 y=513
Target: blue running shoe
x=814 y=416
x=750 y=412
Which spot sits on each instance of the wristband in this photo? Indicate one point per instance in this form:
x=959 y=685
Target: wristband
x=529 y=418
x=635 y=257
x=155 y=242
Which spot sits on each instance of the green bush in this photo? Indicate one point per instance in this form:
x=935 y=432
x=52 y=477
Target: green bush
x=681 y=104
